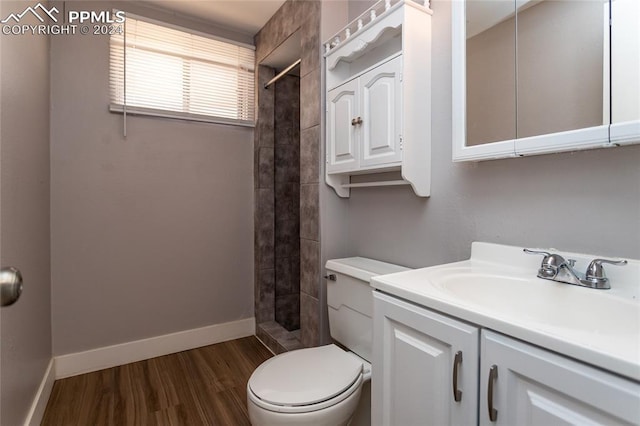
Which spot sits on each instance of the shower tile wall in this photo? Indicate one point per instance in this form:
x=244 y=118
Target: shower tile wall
x=287 y=202
x=309 y=180
x=264 y=220
x=294 y=15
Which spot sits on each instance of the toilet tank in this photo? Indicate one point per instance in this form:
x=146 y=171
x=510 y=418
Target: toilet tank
x=350 y=301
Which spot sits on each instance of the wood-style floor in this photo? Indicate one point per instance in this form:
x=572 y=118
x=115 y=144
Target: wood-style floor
x=204 y=386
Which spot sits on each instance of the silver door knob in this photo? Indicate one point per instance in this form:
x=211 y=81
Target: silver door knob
x=10 y=285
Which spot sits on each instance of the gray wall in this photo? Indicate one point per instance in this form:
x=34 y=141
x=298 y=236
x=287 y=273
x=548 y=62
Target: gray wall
x=585 y=201
x=151 y=234
x=335 y=241
x=25 y=349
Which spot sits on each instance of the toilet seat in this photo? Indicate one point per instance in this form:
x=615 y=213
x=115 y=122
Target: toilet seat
x=282 y=383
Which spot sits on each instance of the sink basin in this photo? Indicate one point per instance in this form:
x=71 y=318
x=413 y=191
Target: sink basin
x=497 y=289
x=543 y=303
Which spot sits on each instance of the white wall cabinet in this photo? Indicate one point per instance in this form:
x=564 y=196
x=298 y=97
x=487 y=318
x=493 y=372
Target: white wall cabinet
x=378 y=99
x=343 y=141
x=519 y=384
x=381 y=102
x=416 y=371
x=364 y=120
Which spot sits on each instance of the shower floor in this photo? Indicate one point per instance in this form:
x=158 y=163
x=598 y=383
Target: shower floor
x=277 y=338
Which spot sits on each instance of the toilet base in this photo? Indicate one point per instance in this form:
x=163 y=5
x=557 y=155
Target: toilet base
x=335 y=415
x=362 y=416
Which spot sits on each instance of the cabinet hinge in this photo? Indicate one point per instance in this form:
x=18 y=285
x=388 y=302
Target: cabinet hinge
x=401 y=143
x=401 y=77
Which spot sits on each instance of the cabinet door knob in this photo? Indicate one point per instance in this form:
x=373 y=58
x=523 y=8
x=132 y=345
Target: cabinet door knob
x=493 y=375
x=359 y=120
x=457 y=360
x=354 y=121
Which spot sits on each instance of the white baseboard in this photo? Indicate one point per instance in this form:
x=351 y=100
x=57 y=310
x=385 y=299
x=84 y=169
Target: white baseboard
x=112 y=356
x=36 y=412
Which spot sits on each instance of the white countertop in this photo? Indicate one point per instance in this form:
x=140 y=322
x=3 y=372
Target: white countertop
x=498 y=289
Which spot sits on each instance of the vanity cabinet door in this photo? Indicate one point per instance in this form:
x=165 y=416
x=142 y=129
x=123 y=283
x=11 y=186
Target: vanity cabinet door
x=532 y=386
x=414 y=357
x=381 y=107
x=343 y=128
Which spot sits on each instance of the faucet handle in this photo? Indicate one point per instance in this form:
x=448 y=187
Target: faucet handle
x=595 y=271
x=551 y=263
x=551 y=259
x=529 y=251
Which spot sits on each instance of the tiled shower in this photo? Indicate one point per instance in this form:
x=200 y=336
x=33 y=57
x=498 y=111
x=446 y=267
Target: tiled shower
x=286 y=181
x=287 y=201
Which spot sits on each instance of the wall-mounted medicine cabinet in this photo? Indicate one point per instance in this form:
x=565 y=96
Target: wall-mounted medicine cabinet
x=534 y=77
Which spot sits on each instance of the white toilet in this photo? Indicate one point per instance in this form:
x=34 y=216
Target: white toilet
x=323 y=385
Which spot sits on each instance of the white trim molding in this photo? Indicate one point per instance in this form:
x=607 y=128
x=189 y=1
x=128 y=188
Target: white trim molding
x=124 y=353
x=36 y=412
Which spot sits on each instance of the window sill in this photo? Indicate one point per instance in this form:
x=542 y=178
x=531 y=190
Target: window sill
x=150 y=112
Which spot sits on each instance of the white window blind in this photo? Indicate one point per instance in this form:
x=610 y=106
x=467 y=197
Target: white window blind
x=175 y=73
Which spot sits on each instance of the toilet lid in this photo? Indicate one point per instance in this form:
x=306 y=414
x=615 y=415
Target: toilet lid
x=305 y=376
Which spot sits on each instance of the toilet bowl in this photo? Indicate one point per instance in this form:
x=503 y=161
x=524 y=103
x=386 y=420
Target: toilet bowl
x=280 y=391
x=323 y=385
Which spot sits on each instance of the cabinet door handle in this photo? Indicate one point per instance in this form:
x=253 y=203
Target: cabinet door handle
x=457 y=360
x=354 y=121
x=359 y=120
x=493 y=375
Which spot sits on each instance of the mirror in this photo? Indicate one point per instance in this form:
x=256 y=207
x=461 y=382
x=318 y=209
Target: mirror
x=625 y=71
x=533 y=76
x=560 y=63
x=490 y=71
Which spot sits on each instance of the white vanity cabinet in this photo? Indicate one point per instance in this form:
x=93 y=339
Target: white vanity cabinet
x=378 y=99
x=364 y=120
x=416 y=371
x=532 y=386
x=415 y=376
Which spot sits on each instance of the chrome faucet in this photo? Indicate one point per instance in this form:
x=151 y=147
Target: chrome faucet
x=555 y=268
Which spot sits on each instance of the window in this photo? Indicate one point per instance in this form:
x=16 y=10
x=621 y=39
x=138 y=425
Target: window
x=175 y=73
